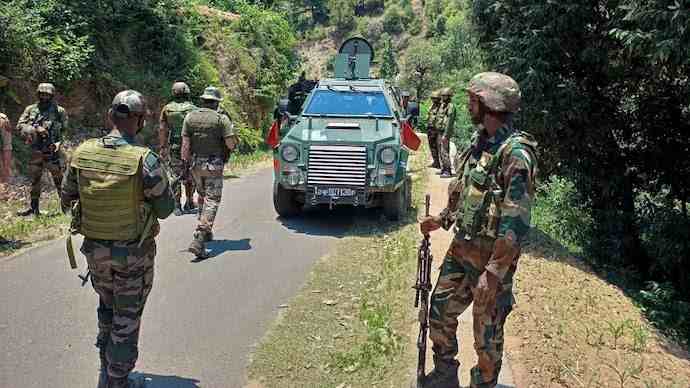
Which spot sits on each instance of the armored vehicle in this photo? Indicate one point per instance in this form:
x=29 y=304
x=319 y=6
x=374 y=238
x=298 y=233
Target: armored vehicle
x=346 y=145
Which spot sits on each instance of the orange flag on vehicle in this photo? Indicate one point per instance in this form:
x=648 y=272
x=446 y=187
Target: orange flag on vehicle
x=409 y=137
x=273 y=137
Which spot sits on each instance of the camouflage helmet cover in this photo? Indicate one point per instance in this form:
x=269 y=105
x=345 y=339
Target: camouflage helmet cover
x=211 y=93
x=446 y=92
x=129 y=102
x=496 y=91
x=47 y=88
x=180 y=89
x=435 y=95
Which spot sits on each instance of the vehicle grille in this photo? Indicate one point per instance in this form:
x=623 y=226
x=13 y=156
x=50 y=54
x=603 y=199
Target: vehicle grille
x=337 y=165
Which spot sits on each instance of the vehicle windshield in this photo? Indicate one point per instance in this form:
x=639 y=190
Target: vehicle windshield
x=348 y=103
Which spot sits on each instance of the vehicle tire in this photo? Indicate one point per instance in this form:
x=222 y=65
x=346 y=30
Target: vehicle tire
x=395 y=204
x=284 y=202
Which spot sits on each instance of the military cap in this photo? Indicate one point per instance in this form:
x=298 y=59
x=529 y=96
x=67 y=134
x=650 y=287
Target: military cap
x=211 y=93
x=496 y=91
x=180 y=89
x=127 y=103
x=435 y=95
x=446 y=92
x=47 y=88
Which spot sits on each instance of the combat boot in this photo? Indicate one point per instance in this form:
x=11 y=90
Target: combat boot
x=178 y=210
x=125 y=382
x=32 y=210
x=444 y=375
x=435 y=165
x=446 y=174
x=197 y=246
x=189 y=206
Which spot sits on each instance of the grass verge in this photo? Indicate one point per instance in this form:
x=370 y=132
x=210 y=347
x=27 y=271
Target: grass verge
x=349 y=325
x=240 y=164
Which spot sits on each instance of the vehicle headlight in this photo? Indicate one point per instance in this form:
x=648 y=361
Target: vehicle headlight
x=387 y=156
x=289 y=153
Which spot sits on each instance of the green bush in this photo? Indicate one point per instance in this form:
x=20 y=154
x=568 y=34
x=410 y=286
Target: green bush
x=665 y=308
x=393 y=20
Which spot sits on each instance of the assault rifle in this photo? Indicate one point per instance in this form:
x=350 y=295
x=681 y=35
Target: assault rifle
x=423 y=287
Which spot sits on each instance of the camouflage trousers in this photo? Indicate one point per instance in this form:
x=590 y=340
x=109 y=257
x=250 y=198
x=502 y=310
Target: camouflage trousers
x=444 y=153
x=37 y=164
x=122 y=275
x=453 y=295
x=209 y=185
x=183 y=176
x=433 y=136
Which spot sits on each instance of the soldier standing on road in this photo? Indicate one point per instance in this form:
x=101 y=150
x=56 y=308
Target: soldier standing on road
x=119 y=239
x=207 y=140
x=447 y=129
x=432 y=130
x=6 y=144
x=170 y=138
x=41 y=125
x=489 y=203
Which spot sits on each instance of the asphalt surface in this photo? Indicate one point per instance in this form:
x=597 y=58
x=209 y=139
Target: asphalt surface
x=201 y=319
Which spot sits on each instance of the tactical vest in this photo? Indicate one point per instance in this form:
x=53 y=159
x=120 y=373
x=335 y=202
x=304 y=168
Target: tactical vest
x=206 y=127
x=479 y=209
x=111 y=194
x=175 y=115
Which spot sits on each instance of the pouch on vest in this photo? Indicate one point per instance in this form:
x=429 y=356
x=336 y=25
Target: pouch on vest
x=110 y=190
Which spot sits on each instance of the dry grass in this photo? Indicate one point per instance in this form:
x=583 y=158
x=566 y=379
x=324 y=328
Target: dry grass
x=571 y=328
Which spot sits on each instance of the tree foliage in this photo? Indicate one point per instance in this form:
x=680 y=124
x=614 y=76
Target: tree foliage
x=389 y=65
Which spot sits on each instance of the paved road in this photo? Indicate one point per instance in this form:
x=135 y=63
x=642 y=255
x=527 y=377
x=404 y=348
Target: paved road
x=201 y=319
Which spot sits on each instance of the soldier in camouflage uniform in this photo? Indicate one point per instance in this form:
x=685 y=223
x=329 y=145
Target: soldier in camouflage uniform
x=170 y=138
x=6 y=145
x=41 y=125
x=119 y=239
x=489 y=204
x=207 y=140
x=432 y=131
x=446 y=122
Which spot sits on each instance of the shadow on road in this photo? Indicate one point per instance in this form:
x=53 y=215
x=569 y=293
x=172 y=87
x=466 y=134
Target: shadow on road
x=159 y=381
x=218 y=247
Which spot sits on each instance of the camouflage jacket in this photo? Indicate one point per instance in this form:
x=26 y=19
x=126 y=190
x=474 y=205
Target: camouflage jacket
x=54 y=119
x=432 y=116
x=446 y=119
x=515 y=176
x=157 y=190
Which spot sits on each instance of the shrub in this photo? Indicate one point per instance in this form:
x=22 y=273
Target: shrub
x=393 y=20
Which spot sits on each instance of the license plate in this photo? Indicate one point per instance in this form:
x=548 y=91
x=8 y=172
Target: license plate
x=335 y=192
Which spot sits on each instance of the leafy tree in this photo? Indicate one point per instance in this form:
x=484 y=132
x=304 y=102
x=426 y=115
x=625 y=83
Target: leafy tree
x=393 y=20
x=389 y=66
x=421 y=66
x=342 y=13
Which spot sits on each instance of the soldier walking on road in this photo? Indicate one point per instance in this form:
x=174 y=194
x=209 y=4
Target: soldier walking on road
x=118 y=190
x=170 y=138
x=207 y=140
x=41 y=125
x=432 y=130
x=447 y=130
x=489 y=203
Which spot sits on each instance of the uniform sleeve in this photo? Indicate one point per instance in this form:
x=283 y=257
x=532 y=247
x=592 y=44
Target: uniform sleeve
x=450 y=126
x=157 y=191
x=518 y=175
x=185 y=128
x=69 y=191
x=448 y=214
x=228 y=127
x=24 y=119
x=163 y=117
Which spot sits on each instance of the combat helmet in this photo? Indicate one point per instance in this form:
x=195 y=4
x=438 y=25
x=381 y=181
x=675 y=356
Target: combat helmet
x=446 y=92
x=46 y=87
x=211 y=93
x=180 y=89
x=128 y=102
x=435 y=95
x=496 y=91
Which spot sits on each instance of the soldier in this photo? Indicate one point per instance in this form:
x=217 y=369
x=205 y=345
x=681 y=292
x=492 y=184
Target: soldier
x=119 y=239
x=447 y=128
x=170 y=137
x=489 y=203
x=207 y=140
x=6 y=144
x=432 y=130
x=41 y=125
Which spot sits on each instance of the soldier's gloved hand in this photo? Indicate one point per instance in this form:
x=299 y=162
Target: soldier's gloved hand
x=487 y=287
x=429 y=224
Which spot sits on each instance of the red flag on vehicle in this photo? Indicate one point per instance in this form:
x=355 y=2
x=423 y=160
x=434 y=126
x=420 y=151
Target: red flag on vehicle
x=409 y=137
x=273 y=137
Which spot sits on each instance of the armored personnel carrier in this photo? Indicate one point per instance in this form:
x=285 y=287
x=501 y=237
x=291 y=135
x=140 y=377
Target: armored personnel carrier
x=347 y=144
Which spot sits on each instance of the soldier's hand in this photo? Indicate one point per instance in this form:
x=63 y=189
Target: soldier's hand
x=487 y=287
x=429 y=224
x=164 y=153
x=444 y=139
